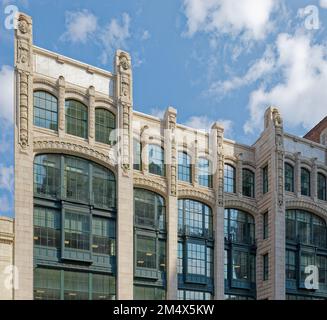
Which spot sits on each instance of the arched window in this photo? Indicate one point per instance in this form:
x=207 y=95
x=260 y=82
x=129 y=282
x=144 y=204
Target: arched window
x=184 y=167
x=305 y=182
x=76 y=119
x=248 y=183
x=45 y=110
x=289 y=178
x=74 y=223
x=195 y=249
x=306 y=245
x=149 y=244
x=156 y=160
x=204 y=173
x=240 y=253
x=105 y=124
x=137 y=155
x=322 y=193
x=229 y=178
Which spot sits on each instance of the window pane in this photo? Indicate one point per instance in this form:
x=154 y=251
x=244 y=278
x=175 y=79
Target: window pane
x=204 y=172
x=184 y=167
x=196 y=259
x=156 y=160
x=103 y=287
x=229 y=179
x=305 y=182
x=104 y=236
x=105 y=123
x=146 y=252
x=248 y=183
x=289 y=178
x=45 y=110
x=322 y=194
x=137 y=155
x=76 y=286
x=76 y=119
x=46 y=284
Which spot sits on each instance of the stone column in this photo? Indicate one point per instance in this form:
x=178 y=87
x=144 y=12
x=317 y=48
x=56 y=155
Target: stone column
x=23 y=253
x=125 y=232
x=172 y=208
x=61 y=106
x=314 y=179
x=217 y=147
x=91 y=94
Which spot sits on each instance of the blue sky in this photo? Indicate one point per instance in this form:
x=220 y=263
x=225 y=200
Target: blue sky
x=214 y=60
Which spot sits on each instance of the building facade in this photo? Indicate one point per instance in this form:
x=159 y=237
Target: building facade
x=124 y=205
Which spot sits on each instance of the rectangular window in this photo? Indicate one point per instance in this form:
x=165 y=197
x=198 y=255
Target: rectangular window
x=149 y=293
x=265 y=225
x=265 y=180
x=137 y=153
x=162 y=255
x=225 y=264
x=290 y=265
x=146 y=253
x=46 y=284
x=307 y=259
x=103 y=287
x=47 y=227
x=180 y=259
x=76 y=286
x=77 y=231
x=104 y=236
x=184 y=167
x=196 y=259
x=194 y=295
x=265 y=267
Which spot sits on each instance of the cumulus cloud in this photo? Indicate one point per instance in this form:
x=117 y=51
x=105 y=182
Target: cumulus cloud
x=80 y=26
x=156 y=112
x=301 y=91
x=323 y=4
x=7 y=178
x=114 y=36
x=145 y=35
x=7 y=93
x=204 y=123
x=249 y=19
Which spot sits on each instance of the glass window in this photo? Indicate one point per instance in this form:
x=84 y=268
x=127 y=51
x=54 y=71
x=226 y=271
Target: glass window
x=193 y=295
x=103 y=287
x=162 y=255
x=196 y=259
x=47 y=227
x=322 y=194
x=265 y=225
x=45 y=110
x=105 y=124
x=149 y=293
x=76 y=286
x=229 y=178
x=322 y=267
x=204 y=173
x=306 y=259
x=180 y=254
x=184 y=167
x=46 y=284
x=243 y=266
x=265 y=180
x=77 y=231
x=248 y=183
x=156 y=160
x=305 y=182
x=137 y=149
x=289 y=178
x=76 y=119
x=104 y=236
x=47 y=175
x=195 y=218
x=104 y=187
x=265 y=267
x=149 y=209
x=290 y=265
x=146 y=252
x=77 y=179
x=239 y=226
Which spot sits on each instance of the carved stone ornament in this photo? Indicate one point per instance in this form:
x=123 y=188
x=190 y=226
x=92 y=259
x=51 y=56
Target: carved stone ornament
x=278 y=121
x=124 y=63
x=23 y=26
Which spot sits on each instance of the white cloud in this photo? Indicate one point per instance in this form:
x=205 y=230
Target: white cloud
x=145 y=35
x=7 y=178
x=114 y=36
x=204 y=123
x=323 y=4
x=80 y=26
x=5 y=204
x=249 y=19
x=156 y=112
x=261 y=67
x=300 y=93
x=7 y=93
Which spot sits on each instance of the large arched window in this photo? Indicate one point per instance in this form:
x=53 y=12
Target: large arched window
x=229 y=178
x=156 y=160
x=305 y=182
x=321 y=187
x=45 y=110
x=195 y=250
x=76 y=119
x=306 y=245
x=150 y=245
x=289 y=178
x=248 y=183
x=184 y=167
x=240 y=254
x=74 y=228
x=105 y=124
x=204 y=173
